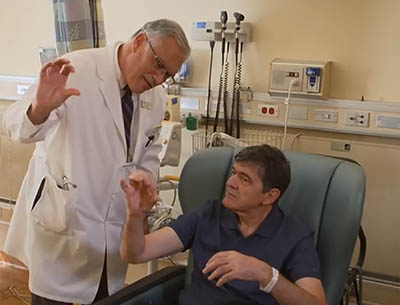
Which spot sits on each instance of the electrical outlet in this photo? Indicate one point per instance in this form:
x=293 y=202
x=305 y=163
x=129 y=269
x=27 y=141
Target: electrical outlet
x=351 y=118
x=21 y=89
x=267 y=110
x=359 y=118
x=363 y=119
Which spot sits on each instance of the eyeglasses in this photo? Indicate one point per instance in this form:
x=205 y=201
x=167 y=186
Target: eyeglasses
x=158 y=65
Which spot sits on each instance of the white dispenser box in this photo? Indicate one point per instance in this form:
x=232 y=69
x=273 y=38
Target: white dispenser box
x=312 y=78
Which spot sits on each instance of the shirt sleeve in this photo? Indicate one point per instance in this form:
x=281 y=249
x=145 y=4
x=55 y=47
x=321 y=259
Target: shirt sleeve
x=18 y=126
x=303 y=260
x=185 y=226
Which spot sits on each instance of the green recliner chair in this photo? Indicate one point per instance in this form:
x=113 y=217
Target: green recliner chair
x=325 y=192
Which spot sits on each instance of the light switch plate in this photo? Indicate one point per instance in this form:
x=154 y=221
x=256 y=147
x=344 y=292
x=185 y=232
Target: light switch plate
x=388 y=121
x=324 y=115
x=298 y=113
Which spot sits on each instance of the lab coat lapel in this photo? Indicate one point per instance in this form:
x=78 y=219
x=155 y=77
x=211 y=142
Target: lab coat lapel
x=111 y=92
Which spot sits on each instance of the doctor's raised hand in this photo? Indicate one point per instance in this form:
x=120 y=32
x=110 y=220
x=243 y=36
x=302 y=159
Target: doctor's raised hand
x=51 y=91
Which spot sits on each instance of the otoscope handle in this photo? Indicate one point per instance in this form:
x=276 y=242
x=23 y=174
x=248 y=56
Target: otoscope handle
x=239 y=17
x=224 y=17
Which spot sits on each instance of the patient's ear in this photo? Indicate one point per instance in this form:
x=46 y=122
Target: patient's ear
x=271 y=196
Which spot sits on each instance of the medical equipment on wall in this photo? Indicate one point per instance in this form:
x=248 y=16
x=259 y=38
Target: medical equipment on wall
x=235 y=110
x=223 y=76
x=211 y=31
x=212 y=44
x=312 y=78
x=183 y=73
x=228 y=33
x=173 y=110
x=225 y=89
x=173 y=84
x=170 y=137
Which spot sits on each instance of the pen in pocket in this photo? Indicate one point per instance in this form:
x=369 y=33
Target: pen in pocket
x=151 y=138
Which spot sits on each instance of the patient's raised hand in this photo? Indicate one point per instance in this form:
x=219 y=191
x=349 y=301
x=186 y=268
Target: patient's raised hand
x=140 y=192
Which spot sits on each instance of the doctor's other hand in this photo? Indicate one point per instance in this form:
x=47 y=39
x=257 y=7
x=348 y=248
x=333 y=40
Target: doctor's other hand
x=140 y=192
x=51 y=91
x=225 y=266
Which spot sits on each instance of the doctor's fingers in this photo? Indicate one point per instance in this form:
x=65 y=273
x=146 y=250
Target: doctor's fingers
x=70 y=92
x=55 y=65
x=66 y=69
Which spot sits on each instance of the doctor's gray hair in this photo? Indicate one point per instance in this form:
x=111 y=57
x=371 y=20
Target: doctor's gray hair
x=163 y=28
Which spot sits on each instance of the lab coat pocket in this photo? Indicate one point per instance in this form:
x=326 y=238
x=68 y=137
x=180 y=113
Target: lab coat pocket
x=152 y=135
x=53 y=206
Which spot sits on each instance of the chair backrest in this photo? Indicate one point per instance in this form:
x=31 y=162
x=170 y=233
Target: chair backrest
x=325 y=192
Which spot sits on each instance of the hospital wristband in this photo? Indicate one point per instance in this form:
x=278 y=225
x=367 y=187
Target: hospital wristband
x=268 y=288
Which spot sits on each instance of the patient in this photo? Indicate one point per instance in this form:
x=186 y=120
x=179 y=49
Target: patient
x=245 y=250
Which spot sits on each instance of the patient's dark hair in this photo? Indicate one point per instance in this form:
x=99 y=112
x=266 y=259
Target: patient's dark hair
x=274 y=168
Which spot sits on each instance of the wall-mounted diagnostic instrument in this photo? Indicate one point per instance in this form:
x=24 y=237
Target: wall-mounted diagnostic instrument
x=232 y=35
x=312 y=78
x=213 y=31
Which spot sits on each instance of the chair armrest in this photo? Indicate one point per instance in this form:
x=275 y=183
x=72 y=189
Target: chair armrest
x=161 y=287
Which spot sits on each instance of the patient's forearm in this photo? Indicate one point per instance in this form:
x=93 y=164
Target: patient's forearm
x=133 y=238
x=309 y=291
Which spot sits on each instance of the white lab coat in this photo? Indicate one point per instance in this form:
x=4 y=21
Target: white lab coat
x=62 y=237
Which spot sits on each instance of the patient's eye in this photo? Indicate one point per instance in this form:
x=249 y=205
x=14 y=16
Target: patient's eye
x=245 y=179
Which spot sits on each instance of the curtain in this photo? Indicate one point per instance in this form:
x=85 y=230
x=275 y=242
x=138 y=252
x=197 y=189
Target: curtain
x=79 y=24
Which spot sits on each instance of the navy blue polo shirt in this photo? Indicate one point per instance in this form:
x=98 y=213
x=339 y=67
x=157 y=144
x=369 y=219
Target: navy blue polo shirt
x=281 y=241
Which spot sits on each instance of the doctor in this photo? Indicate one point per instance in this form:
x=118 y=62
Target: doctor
x=67 y=221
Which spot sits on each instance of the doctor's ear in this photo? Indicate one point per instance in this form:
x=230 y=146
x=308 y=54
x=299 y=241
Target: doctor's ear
x=138 y=41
